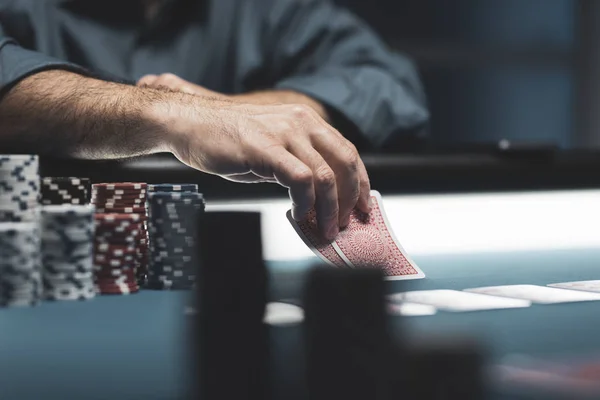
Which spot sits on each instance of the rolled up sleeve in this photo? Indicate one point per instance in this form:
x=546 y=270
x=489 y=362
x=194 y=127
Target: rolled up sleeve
x=17 y=63
x=330 y=55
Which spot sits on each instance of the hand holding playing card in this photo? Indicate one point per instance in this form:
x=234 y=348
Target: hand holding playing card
x=367 y=242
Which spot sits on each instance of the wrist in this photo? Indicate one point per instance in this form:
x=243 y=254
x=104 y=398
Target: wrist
x=164 y=115
x=283 y=97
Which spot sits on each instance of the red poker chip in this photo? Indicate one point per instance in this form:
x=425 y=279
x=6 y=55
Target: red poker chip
x=119 y=204
x=112 y=206
x=113 y=249
x=110 y=233
x=108 y=283
x=131 y=240
x=122 y=210
x=119 y=194
x=104 y=291
x=113 y=274
x=117 y=217
x=119 y=235
x=120 y=227
x=115 y=280
x=115 y=264
x=120 y=185
x=115 y=289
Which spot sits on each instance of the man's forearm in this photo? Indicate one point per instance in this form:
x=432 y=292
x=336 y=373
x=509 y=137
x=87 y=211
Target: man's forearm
x=285 y=97
x=62 y=113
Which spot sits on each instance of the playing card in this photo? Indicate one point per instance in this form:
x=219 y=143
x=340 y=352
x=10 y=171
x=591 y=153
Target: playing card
x=586 y=286
x=407 y=309
x=537 y=294
x=308 y=231
x=454 y=300
x=369 y=242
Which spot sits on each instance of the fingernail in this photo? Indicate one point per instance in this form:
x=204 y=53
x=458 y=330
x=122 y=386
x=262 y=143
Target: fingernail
x=370 y=204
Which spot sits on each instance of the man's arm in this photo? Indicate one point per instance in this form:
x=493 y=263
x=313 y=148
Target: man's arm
x=173 y=82
x=62 y=113
x=326 y=53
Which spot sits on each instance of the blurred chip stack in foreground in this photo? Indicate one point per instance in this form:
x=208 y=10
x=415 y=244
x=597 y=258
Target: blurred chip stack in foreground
x=67 y=249
x=127 y=198
x=172 y=228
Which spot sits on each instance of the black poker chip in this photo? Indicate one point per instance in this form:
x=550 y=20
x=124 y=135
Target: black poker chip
x=65 y=190
x=171 y=227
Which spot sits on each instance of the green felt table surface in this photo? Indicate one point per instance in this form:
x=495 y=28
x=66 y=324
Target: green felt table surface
x=133 y=347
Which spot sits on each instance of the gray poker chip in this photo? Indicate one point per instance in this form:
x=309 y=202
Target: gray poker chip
x=67 y=252
x=20 y=277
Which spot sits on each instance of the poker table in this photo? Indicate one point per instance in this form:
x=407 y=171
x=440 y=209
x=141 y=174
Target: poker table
x=136 y=346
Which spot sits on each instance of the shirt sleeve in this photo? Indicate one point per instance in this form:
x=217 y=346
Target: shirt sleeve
x=330 y=55
x=17 y=63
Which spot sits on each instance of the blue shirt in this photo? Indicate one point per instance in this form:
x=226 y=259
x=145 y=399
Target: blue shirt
x=229 y=46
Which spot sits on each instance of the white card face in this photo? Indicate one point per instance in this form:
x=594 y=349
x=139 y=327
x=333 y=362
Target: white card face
x=586 y=286
x=454 y=300
x=537 y=294
x=407 y=309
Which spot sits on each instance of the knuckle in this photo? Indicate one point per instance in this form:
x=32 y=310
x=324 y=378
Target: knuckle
x=325 y=177
x=350 y=159
x=303 y=175
x=301 y=110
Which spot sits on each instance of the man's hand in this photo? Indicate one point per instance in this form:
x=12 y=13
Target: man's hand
x=62 y=113
x=288 y=144
x=173 y=82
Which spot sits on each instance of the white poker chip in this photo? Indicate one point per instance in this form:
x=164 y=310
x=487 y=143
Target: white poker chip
x=67 y=252
x=280 y=314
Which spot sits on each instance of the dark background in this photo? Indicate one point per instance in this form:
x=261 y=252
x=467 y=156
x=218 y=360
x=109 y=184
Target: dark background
x=496 y=69
x=523 y=70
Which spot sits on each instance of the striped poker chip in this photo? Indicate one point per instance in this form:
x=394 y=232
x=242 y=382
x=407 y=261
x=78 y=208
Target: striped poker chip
x=116 y=217
x=67 y=251
x=172 y=230
x=122 y=210
x=173 y=187
x=65 y=190
x=120 y=186
x=70 y=293
x=117 y=289
x=112 y=202
x=19 y=188
x=20 y=259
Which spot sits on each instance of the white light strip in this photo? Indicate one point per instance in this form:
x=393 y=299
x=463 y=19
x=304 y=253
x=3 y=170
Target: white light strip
x=452 y=224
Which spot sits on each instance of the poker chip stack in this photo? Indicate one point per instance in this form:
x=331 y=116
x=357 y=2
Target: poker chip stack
x=172 y=187
x=20 y=273
x=116 y=252
x=19 y=188
x=65 y=190
x=172 y=229
x=67 y=251
x=126 y=198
